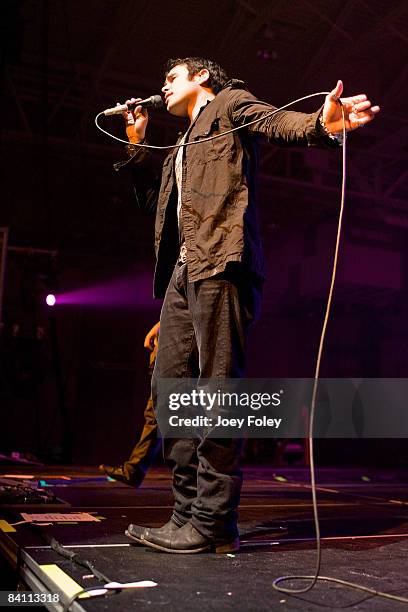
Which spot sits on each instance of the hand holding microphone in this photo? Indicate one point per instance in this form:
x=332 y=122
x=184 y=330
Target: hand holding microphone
x=135 y=114
x=136 y=119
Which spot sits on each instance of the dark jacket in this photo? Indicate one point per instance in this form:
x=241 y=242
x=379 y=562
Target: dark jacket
x=219 y=214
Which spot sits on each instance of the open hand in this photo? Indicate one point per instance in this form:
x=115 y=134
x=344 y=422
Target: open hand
x=357 y=111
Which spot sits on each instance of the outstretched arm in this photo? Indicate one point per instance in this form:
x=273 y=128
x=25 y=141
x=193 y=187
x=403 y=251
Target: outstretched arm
x=295 y=128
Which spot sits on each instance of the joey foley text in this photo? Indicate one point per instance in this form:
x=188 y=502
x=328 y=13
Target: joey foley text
x=212 y=401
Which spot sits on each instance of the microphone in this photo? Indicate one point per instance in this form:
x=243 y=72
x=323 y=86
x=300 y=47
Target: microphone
x=151 y=102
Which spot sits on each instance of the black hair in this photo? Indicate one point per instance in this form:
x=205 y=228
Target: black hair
x=217 y=79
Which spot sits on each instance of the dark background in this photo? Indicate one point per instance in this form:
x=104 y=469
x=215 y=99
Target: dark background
x=74 y=380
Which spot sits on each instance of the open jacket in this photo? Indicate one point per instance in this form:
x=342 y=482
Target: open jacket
x=218 y=212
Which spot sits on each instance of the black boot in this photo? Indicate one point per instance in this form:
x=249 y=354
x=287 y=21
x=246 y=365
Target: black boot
x=141 y=534
x=185 y=539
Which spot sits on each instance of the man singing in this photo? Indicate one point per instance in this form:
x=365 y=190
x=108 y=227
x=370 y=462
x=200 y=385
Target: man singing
x=210 y=267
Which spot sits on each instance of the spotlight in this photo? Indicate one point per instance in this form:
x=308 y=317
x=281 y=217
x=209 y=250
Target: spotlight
x=50 y=299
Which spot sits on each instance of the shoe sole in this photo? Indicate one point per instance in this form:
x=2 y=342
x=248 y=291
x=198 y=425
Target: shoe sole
x=229 y=547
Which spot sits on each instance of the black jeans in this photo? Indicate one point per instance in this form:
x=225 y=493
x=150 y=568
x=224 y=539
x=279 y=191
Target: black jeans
x=203 y=330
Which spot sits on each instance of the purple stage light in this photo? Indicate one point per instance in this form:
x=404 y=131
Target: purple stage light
x=128 y=292
x=50 y=299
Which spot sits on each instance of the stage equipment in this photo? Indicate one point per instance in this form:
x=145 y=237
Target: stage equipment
x=20 y=493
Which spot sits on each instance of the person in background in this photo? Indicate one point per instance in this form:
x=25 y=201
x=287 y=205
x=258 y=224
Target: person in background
x=133 y=471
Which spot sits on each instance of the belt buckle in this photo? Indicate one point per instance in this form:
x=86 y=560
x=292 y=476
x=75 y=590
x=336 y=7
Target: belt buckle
x=183 y=254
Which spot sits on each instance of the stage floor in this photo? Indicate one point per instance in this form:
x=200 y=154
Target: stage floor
x=364 y=526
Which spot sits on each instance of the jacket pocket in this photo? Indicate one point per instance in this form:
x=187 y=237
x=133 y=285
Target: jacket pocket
x=210 y=150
